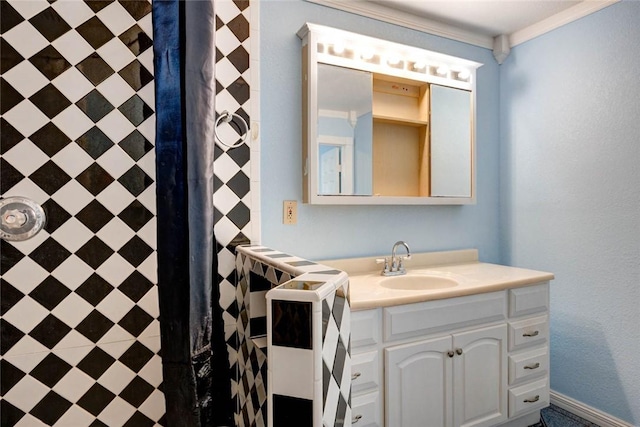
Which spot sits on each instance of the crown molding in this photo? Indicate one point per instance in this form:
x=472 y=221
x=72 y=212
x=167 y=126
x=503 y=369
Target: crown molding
x=404 y=19
x=571 y=14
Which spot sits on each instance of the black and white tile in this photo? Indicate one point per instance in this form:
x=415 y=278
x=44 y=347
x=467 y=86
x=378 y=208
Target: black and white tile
x=79 y=318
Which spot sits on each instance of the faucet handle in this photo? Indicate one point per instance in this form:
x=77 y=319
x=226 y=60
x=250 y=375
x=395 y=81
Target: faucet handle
x=384 y=261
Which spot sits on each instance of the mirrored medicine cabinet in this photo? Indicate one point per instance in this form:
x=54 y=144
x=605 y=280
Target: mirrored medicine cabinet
x=385 y=123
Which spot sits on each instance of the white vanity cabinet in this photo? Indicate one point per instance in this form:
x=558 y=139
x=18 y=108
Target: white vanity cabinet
x=476 y=360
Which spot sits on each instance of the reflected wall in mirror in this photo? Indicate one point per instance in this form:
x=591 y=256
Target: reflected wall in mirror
x=385 y=123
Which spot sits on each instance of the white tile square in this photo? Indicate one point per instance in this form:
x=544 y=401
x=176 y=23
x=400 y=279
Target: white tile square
x=146 y=58
x=26 y=393
x=72 y=159
x=73 y=122
x=27 y=188
x=25 y=38
x=75 y=416
x=224 y=199
x=146 y=23
x=30 y=421
x=72 y=46
x=292 y=370
x=26 y=345
x=72 y=310
x=26 y=362
x=115 y=335
x=152 y=371
x=149 y=302
x=148 y=198
x=25 y=276
x=116 y=161
x=115 y=233
x=115 y=269
x=115 y=125
x=226 y=73
x=225 y=230
x=73 y=84
x=154 y=406
x=26 y=157
x=73 y=197
x=115 y=305
x=147 y=93
x=116 y=90
x=73 y=11
x=116 y=18
x=26 y=79
x=116 y=378
x=117 y=412
x=115 y=198
x=149 y=233
x=148 y=164
x=26 y=117
x=28 y=9
x=73 y=340
x=149 y=268
x=117 y=348
x=148 y=128
x=75 y=383
x=116 y=54
x=72 y=272
x=72 y=235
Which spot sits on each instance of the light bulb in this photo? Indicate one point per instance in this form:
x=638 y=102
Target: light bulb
x=367 y=54
x=338 y=48
x=464 y=75
x=393 y=60
x=442 y=71
x=419 y=65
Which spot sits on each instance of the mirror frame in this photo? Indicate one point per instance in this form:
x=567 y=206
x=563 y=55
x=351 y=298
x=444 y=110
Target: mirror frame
x=318 y=48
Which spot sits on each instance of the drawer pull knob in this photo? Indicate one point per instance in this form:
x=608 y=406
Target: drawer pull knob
x=355 y=376
x=450 y=353
x=356 y=419
x=533 y=400
x=458 y=351
x=531 y=334
x=533 y=366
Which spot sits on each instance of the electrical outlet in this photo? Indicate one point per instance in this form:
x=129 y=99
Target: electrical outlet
x=290 y=212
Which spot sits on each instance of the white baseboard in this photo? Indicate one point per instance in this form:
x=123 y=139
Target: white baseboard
x=587 y=412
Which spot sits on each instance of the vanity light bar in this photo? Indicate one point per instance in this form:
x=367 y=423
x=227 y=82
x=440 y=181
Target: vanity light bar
x=351 y=50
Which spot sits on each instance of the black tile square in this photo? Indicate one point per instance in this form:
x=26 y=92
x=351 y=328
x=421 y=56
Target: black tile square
x=240 y=184
x=258 y=283
x=239 y=89
x=135 y=215
x=96 y=399
x=136 y=357
x=137 y=9
x=9 y=336
x=98 y=5
x=135 y=110
x=94 y=216
x=292 y=411
x=9 y=296
x=56 y=215
x=96 y=363
x=239 y=26
x=136 y=40
x=135 y=286
x=50 y=292
x=50 y=62
x=94 y=326
x=137 y=392
x=50 y=331
x=9 y=256
x=98 y=423
x=9 y=176
x=9 y=376
x=138 y=419
x=240 y=155
x=94 y=179
x=51 y=408
x=50 y=370
x=9 y=97
x=50 y=177
x=341 y=413
x=338 y=309
x=9 y=414
x=135 y=145
x=95 y=69
x=94 y=289
x=50 y=24
x=10 y=57
x=94 y=105
x=135 y=321
x=258 y=326
x=95 y=142
x=135 y=251
x=9 y=18
x=338 y=361
x=136 y=75
x=10 y=136
x=49 y=254
x=50 y=139
x=94 y=252
x=95 y=32
x=239 y=58
x=292 y=324
x=50 y=101
x=135 y=180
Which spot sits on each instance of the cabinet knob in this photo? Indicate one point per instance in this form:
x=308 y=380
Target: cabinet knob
x=355 y=376
x=450 y=353
x=532 y=400
x=356 y=419
x=458 y=351
x=533 y=366
x=531 y=334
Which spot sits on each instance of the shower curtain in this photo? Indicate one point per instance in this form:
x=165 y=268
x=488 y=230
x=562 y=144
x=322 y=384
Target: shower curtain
x=196 y=370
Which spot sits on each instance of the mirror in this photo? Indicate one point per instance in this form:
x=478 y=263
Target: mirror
x=385 y=123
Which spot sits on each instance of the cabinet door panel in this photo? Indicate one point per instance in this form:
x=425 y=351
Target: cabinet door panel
x=480 y=377
x=418 y=384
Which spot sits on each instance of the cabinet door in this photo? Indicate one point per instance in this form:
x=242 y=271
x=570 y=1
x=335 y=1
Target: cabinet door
x=418 y=384
x=480 y=377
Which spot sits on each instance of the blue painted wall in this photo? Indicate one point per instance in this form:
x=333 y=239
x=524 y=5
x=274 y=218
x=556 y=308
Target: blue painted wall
x=333 y=231
x=570 y=195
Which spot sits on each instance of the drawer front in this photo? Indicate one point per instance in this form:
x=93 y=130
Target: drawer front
x=365 y=371
x=366 y=410
x=528 y=397
x=529 y=300
x=365 y=328
x=413 y=320
x=528 y=365
x=528 y=332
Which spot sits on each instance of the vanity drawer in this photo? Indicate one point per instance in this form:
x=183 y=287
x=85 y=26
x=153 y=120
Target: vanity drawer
x=527 y=365
x=365 y=328
x=366 y=410
x=529 y=300
x=528 y=331
x=528 y=397
x=365 y=371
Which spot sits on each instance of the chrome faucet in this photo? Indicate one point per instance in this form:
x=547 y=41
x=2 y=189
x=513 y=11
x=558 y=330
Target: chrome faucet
x=396 y=268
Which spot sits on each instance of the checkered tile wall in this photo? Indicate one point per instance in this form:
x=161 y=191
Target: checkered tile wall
x=79 y=308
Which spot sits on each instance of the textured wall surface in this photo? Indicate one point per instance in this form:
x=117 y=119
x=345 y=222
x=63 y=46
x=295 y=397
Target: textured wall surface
x=571 y=199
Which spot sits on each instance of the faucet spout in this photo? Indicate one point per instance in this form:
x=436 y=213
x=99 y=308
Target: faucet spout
x=395 y=247
x=397 y=266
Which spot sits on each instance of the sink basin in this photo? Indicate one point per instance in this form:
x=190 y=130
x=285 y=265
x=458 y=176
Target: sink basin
x=422 y=282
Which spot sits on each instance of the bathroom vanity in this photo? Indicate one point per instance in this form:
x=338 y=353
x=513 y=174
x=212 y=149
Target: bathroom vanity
x=454 y=342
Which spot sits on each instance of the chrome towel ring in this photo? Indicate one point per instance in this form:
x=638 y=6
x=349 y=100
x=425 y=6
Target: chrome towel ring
x=228 y=117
